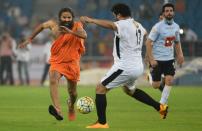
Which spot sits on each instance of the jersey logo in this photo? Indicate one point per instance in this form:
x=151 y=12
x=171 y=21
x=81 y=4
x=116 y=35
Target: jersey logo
x=169 y=41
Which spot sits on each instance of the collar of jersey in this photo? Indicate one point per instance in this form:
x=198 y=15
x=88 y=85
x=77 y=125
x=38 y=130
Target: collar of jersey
x=169 y=22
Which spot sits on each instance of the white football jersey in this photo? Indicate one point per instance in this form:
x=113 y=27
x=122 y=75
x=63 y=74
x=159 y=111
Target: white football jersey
x=128 y=43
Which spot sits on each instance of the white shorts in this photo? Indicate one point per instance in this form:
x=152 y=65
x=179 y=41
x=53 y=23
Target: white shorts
x=121 y=77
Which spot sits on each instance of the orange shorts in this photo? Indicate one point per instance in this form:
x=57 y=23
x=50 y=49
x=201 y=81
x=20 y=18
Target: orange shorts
x=70 y=70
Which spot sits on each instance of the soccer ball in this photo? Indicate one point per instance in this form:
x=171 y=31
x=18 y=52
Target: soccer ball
x=85 y=105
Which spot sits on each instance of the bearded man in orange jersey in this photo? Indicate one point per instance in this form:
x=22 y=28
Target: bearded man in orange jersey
x=66 y=51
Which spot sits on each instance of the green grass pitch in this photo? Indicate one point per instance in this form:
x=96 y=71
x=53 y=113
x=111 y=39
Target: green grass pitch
x=25 y=109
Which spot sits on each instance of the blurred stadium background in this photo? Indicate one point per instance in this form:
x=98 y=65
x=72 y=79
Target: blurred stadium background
x=20 y=17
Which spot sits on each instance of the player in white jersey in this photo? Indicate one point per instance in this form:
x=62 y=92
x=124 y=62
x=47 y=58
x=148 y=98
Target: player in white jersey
x=128 y=65
x=163 y=39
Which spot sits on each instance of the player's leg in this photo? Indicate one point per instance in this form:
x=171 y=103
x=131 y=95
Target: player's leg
x=101 y=105
x=169 y=72
x=146 y=99
x=72 y=90
x=55 y=110
x=167 y=88
x=155 y=76
x=112 y=79
x=142 y=97
x=130 y=89
x=162 y=83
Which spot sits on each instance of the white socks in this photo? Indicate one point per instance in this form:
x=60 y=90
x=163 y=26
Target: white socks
x=165 y=94
x=149 y=78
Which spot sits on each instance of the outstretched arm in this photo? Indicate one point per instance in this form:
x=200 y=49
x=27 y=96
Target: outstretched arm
x=103 y=23
x=36 y=31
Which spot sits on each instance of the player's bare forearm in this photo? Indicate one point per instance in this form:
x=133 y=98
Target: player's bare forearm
x=149 y=49
x=179 y=53
x=146 y=59
x=151 y=59
x=178 y=49
x=81 y=34
x=105 y=24
x=36 y=31
x=31 y=37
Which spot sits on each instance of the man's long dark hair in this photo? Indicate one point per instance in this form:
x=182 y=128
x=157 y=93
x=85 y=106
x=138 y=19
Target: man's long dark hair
x=63 y=23
x=65 y=10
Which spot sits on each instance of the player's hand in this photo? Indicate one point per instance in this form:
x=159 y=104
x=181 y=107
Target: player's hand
x=180 y=60
x=24 y=44
x=153 y=63
x=85 y=19
x=65 y=29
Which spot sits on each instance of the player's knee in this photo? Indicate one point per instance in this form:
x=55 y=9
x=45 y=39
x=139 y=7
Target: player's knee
x=169 y=82
x=129 y=91
x=126 y=90
x=156 y=85
x=100 y=89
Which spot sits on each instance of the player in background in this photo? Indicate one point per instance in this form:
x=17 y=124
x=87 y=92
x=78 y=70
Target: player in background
x=128 y=66
x=162 y=40
x=149 y=77
x=65 y=56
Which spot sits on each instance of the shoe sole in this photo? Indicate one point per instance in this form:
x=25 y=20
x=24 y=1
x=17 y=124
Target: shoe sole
x=54 y=113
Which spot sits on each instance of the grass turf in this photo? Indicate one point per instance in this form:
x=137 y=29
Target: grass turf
x=25 y=109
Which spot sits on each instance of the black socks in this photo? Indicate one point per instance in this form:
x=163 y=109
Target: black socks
x=145 y=98
x=101 y=104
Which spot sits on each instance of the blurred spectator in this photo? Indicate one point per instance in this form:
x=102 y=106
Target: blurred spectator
x=157 y=6
x=6 y=54
x=180 y=6
x=146 y=12
x=189 y=35
x=47 y=54
x=71 y=3
x=91 y=8
x=14 y=11
x=23 y=57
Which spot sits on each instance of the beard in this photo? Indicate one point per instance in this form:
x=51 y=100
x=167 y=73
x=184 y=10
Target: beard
x=169 y=17
x=68 y=24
